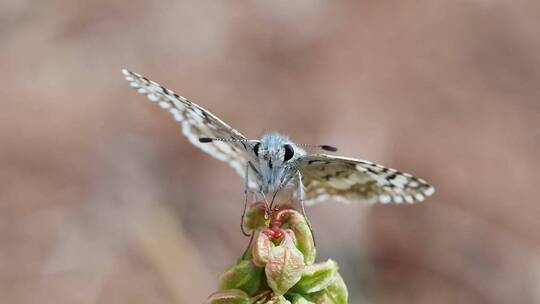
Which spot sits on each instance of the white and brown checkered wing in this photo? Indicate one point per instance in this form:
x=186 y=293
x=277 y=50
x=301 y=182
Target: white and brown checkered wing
x=196 y=122
x=348 y=179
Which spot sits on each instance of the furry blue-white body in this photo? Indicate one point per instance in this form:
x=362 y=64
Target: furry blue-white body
x=274 y=159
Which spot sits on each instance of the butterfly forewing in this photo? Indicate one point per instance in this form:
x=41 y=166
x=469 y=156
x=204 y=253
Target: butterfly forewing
x=196 y=122
x=348 y=179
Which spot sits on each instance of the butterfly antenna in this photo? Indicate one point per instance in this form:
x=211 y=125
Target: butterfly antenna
x=211 y=139
x=322 y=147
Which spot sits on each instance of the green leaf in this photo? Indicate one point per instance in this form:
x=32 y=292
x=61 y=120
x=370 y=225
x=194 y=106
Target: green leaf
x=260 y=251
x=233 y=296
x=335 y=293
x=316 y=277
x=244 y=276
x=255 y=217
x=278 y=299
x=298 y=299
x=304 y=238
x=285 y=265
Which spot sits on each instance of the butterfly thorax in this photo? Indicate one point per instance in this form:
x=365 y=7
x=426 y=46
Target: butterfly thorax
x=275 y=154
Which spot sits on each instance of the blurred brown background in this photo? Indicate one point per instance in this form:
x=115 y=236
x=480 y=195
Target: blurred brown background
x=103 y=201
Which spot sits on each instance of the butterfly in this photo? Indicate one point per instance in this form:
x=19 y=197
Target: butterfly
x=274 y=163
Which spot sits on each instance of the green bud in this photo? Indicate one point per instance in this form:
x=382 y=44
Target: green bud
x=285 y=265
x=298 y=299
x=278 y=299
x=335 y=293
x=338 y=290
x=304 y=238
x=255 y=217
x=261 y=301
x=233 y=296
x=244 y=276
x=262 y=245
x=316 y=277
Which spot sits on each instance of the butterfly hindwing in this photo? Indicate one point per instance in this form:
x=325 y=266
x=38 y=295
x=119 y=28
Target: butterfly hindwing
x=348 y=179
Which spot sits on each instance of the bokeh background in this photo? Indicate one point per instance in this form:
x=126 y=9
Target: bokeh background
x=103 y=201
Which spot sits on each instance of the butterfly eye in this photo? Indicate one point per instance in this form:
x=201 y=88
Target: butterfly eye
x=256 y=149
x=289 y=152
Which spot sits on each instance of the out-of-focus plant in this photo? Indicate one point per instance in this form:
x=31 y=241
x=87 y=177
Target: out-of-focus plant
x=278 y=266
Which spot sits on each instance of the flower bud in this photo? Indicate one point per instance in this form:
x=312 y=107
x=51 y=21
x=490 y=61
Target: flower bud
x=298 y=299
x=233 y=296
x=335 y=293
x=255 y=217
x=316 y=277
x=285 y=265
x=304 y=237
x=244 y=276
x=262 y=245
x=278 y=299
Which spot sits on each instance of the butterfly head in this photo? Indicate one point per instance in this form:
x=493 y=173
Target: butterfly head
x=273 y=150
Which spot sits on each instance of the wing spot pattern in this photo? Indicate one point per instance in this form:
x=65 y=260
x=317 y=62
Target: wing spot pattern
x=349 y=179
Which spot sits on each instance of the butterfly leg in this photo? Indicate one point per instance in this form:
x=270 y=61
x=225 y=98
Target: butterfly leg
x=245 y=254
x=301 y=201
x=282 y=183
x=267 y=207
x=246 y=192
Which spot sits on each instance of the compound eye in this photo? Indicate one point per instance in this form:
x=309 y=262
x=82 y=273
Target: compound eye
x=256 y=149
x=289 y=152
